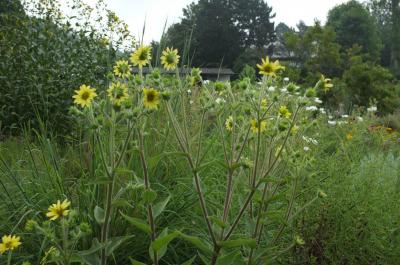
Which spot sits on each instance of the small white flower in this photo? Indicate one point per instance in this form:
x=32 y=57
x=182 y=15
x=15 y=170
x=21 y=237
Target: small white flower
x=286 y=79
x=322 y=110
x=372 y=109
x=271 y=89
x=310 y=140
x=360 y=118
x=332 y=122
x=312 y=108
x=297 y=93
x=306 y=148
x=259 y=83
x=191 y=102
x=345 y=116
x=189 y=91
x=220 y=100
x=318 y=101
x=206 y=82
x=330 y=117
x=283 y=90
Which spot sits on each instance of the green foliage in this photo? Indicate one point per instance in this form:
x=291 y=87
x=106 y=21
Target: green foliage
x=316 y=51
x=248 y=72
x=365 y=82
x=357 y=223
x=42 y=61
x=354 y=24
x=216 y=32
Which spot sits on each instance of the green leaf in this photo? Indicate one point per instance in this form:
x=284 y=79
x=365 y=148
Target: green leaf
x=189 y=262
x=149 y=196
x=159 y=207
x=218 y=222
x=114 y=243
x=138 y=223
x=245 y=242
x=99 y=181
x=230 y=258
x=161 y=252
x=135 y=262
x=91 y=256
x=204 y=259
x=99 y=215
x=163 y=241
x=198 y=242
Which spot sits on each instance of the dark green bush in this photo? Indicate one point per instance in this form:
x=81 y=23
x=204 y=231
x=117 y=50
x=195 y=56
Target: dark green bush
x=366 y=81
x=41 y=63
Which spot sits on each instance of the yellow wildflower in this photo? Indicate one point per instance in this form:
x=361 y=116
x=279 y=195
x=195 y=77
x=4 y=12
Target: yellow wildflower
x=269 y=68
x=255 y=128
x=84 y=96
x=151 y=98
x=142 y=56
x=264 y=103
x=122 y=69
x=118 y=93
x=58 y=210
x=229 y=123
x=170 y=58
x=326 y=83
x=9 y=243
x=284 y=112
x=349 y=136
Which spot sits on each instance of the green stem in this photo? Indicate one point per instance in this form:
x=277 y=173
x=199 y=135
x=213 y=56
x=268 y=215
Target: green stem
x=181 y=139
x=147 y=186
x=9 y=256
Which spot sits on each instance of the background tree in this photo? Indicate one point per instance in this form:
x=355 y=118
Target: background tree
x=218 y=31
x=220 y=41
x=315 y=51
x=280 y=45
x=395 y=51
x=354 y=24
x=253 y=18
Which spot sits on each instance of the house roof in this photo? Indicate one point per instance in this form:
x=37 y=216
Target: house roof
x=204 y=71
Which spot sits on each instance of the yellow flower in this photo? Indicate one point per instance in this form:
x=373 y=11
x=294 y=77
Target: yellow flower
x=326 y=83
x=9 y=243
x=2 y=249
x=84 y=96
x=295 y=129
x=122 y=69
x=284 y=112
x=151 y=98
x=58 y=210
x=229 y=123
x=141 y=56
x=255 y=128
x=269 y=68
x=118 y=93
x=264 y=104
x=170 y=58
x=349 y=136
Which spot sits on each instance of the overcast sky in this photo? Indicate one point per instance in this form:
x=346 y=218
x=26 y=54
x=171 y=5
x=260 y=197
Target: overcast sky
x=156 y=12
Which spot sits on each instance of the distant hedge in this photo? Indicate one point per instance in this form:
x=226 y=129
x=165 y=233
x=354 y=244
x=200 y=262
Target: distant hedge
x=41 y=63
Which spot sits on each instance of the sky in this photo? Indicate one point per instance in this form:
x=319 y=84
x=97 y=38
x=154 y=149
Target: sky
x=157 y=12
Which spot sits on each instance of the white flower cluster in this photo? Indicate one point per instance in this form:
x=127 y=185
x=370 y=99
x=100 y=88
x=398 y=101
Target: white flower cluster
x=312 y=108
x=220 y=100
x=372 y=109
x=310 y=140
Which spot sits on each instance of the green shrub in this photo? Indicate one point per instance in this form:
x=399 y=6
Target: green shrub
x=43 y=58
